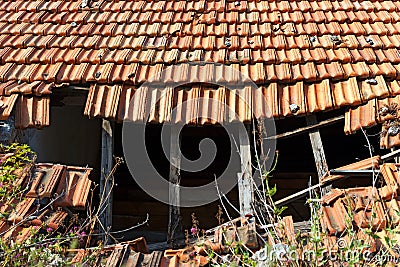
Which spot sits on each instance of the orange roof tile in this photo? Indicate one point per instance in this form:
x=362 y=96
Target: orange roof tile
x=32 y=111
x=6 y=105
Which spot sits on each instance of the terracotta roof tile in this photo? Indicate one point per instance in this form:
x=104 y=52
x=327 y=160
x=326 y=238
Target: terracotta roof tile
x=35 y=209
x=22 y=210
x=346 y=92
x=32 y=112
x=370 y=90
x=45 y=179
x=6 y=105
x=361 y=201
x=73 y=188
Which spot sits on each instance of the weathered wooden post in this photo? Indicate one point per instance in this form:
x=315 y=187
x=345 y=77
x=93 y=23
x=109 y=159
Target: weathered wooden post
x=107 y=145
x=245 y=182
x=175 y=218
x=318 y=151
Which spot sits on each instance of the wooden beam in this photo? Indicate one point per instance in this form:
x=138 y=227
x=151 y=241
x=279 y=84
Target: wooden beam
x=260 y=133
x=307 y=128
x=298 y=195
x=106 y=182
x=318 y=151
x=175 y=218
x=347 y=173
x=391 y=155
x=339 y=173
x=245 y=184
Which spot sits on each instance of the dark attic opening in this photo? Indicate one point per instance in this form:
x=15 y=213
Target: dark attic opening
x=131 y=204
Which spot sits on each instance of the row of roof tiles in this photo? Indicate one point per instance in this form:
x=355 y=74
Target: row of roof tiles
x=177 y=16
x=32 y=102
x=229 y=28
x=125 y=254
x=34 y=55
x=113 y=102
x=200 y=5
x=208 y=43
x=137 y=73
x=373 y=112
x=32 y=111
x=36 y=88
x=220 y=240
x=204 y=102
x=122 y=255
x=385 y=111
x=33 y=106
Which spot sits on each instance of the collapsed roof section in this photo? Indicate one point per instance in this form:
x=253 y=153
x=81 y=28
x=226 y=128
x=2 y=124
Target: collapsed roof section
x=50 y=193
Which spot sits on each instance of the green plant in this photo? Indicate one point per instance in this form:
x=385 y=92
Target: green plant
x=17 y=160
x=42 y=246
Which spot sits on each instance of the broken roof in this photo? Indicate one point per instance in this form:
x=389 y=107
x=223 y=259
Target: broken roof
x=319 y=55
x=50 y=193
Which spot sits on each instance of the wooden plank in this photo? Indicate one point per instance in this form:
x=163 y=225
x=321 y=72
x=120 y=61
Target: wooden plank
x=394 y=154
x=340 y=174
x=354 y=172
x=297 y=195
x=370 y=163
x=245 y=184
x=318 y=151
x=391 y=155
x=307 y=128
x=175 y=218
x=107 y=144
